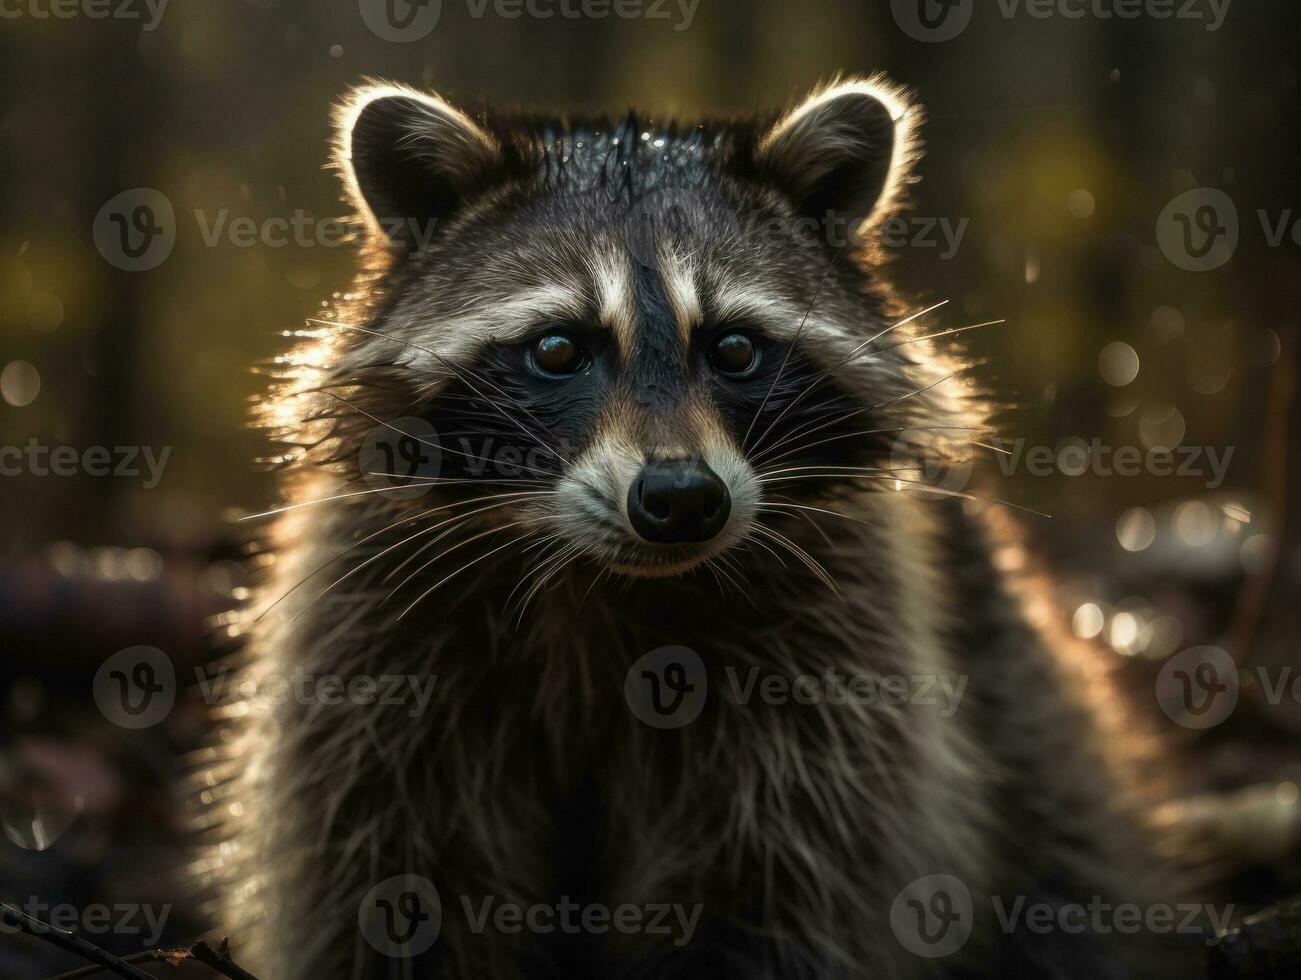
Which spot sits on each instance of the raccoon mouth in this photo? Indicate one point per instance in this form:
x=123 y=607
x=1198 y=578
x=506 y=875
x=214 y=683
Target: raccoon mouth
x=662 y=564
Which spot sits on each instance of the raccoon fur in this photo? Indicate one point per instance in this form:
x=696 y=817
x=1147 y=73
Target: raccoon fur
x=619 y=416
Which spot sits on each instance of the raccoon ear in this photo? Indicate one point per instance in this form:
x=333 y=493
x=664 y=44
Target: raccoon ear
x=409 y=161
x=844 y=154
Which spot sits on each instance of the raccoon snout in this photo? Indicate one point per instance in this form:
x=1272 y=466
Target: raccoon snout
x=678 y=501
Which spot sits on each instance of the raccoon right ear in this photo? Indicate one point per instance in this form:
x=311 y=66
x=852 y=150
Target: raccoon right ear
x=410 y=161
x=845 y=153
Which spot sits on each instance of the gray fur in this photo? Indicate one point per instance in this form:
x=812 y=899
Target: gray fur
x=794 y=827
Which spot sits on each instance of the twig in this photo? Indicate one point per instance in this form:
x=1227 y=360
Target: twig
x=171 y=956
x=220 y=960
x=71 y=943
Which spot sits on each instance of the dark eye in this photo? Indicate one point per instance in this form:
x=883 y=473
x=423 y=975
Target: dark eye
x=556 y=354
x=734 y=354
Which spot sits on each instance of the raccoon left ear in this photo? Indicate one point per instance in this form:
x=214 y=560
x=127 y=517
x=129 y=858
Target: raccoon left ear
x=410 y=160
x=845 y=153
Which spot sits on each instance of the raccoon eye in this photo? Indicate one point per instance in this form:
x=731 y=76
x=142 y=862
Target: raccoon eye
x=556 y=354
x=734 y=354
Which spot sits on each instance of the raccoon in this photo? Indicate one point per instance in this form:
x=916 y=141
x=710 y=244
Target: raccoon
x=618 y=445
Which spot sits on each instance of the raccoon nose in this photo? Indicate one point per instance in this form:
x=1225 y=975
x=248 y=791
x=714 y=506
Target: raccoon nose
x=677 y=501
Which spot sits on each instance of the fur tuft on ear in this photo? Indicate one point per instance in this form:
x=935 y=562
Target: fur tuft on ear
x=409 y=161
x=846 y=153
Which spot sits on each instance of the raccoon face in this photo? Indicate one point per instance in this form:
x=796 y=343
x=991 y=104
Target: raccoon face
x=666 y=337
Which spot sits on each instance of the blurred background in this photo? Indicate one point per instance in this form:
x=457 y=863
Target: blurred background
x=1120 y=189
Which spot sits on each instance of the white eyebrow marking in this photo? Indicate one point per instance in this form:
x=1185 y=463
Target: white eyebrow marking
x=678 y=276
x=611 y=274
x=454 y=338
x=780 y=318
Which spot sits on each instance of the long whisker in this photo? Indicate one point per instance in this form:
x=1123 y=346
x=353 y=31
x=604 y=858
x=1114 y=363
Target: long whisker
x=548 y=539
x=942 y=491
x=942 y=333
x=457 y=521
x=815 y=510
x=562 y=560
x=467 y=565
x=805 y=447
x=760 y=544
x=451 y=367
x=837 y=366
x=853 y=414
x=808 y=560
x=456 y=547
x=740 y=581
x=375 y=534
x=433 y=445
x=790 y=349
x=362 y=493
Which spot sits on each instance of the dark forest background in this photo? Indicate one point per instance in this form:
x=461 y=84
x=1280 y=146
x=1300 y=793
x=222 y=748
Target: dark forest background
x=1054 y=145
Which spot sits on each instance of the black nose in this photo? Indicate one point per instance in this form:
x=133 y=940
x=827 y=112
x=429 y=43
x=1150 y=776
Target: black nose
x=677 y=501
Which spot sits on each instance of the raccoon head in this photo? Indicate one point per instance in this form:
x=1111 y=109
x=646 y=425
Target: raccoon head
x=664 y=337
